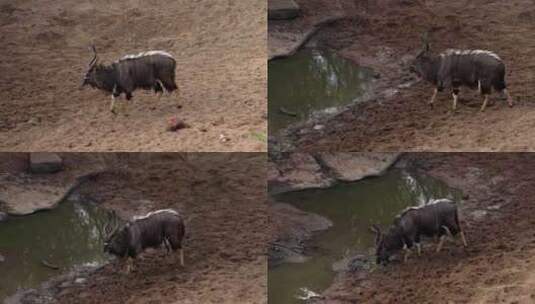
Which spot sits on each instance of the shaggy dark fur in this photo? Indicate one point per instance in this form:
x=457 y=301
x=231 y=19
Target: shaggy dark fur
x=162 y=227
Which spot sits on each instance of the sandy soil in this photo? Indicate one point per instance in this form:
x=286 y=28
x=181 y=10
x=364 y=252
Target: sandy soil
x=220 y=48
x=383 y=35
x=498 y=265
x=223 y=199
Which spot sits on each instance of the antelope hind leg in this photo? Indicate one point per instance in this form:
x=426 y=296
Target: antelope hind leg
x=432 y=100
x=485 y=101
x=463 y=239
x=509 y=98
x=441 y=243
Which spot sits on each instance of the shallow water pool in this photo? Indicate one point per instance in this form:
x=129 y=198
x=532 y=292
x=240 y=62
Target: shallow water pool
x=311 y=81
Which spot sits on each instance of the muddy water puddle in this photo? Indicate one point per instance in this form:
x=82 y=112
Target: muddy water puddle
x=352 y=207
x=311 y=81
x=66 y=237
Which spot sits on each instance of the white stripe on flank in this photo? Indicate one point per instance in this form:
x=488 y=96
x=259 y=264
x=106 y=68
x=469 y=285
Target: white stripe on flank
x=432 y=202
x=149 y=53
x=469 y=52
x=140 y=217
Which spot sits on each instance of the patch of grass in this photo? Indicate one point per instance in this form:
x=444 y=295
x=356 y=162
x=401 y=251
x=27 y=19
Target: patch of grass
x=260 y=136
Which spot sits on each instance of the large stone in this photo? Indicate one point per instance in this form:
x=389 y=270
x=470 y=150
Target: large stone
x=355 y=166
x=295 y=172
x=23 y=199
x=45 y=162
x=282 y=9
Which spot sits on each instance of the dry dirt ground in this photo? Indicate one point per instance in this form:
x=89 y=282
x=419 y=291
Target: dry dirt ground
x=383 y=34
x=223 y=198
x=220 y=48
x=497 y=215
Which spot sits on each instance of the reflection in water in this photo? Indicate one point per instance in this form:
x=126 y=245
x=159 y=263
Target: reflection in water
x=309 y=81
x=352 y=207
x=67 y=236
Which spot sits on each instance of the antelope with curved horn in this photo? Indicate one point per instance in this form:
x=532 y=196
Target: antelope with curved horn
x=477 y=69
x=152 y=70
x=436 y=218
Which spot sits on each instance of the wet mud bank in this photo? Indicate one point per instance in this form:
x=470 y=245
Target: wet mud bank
x=215 y=192
x=385 y=36
x=495 y=213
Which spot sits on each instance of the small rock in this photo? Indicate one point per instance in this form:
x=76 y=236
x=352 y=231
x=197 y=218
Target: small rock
x=2 y=258
x=65 y=284
x=45 y=162
x=319 y=127
x=282 y=9
x=223 y=138
x=34 y=121
x=351 y=264
x=478 y=214
x=307 y=294
x=80 y=281
x=175 y=124
x=218 y=122
x=494 y=207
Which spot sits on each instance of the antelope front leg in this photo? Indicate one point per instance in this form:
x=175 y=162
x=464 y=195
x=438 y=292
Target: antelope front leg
x=181 y=257
x=164 y=90
x=485 y=101
x=432 y=101
x=129 y=265
x=112 y=105
x=406 y=254
x=441 y=243
x=419 y=248
x=455 y=94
